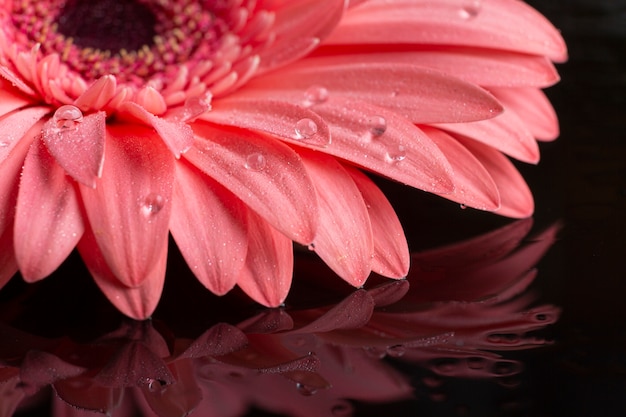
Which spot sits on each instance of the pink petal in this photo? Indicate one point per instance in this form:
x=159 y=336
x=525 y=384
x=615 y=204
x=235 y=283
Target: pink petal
x=178 y=136
x=85 y=397
x=79 y=149
x=516 y=199
x=10 y=171
x=275 y=117
x=39 y=369
x=388 y=144
x=508 y=25
x=16 y=81
x=477 y=66
x=266 y=277
x=298 y=27
x=506 y=133
x=10 y=100
x=136 y=302
x=353 y=312
x=129 y=210
x=421 y=95
x=473 y=186
x=265 y=174
x=48 y=221
x=98 y=94
x=16 y=125
x=533 y=107
x=344 y=237
x=208 y=224
x=391 y=253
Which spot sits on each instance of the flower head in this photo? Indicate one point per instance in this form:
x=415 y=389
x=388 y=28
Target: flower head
x=242 y=126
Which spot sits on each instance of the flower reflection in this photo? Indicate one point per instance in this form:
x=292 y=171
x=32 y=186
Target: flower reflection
x=301 y=361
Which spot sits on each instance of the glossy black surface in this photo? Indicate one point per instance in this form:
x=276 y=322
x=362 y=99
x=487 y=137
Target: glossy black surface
x=580 y=184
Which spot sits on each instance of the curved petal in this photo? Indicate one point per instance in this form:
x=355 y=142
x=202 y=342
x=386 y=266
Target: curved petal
x=98 y=94
x=473 y=186
x=516 y=199
x=78 y=149
x=48 y=222
x=281 y=119
x=267 y=274
x=178 y=136
x=498 y=24
x=9 y=98
x=208 y=225
x=16 y=125
x=298 y=27
x=506 y=133
x=129 y=210
x=391 y=252
x=533 y=108
x=137 y=302
x=344 y=238
x=386 y=143
x=265 y=174
x=10 y=170
x=421 y=95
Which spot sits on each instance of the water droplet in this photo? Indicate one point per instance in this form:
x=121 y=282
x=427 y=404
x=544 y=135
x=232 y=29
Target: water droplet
x=305 y=389
x=396 y=351
x=153 y=385
x=4 y=144
x=255 y=162
x=397 y=154
x=377 y=125
x=470 y=9
x=67 y=117
x=342 y=409
x=152 y=204
x=311 y=247
x=194 y=107
x=315 y=94
x=463 y=206
x=374 y=352
x=305 y=128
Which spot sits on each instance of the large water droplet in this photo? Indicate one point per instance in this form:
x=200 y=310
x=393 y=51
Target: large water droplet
x=194 y=107
x=153 y=385
x=470 y=9
x=314 y=95
x=67 y=117
x=255 y=162
x=152 y=204
x=306 y=390
x=377 y=125
x=397 y=154
x=305 y=128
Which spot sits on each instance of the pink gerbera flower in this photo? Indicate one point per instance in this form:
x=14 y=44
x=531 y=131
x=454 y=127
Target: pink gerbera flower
x=241 y=126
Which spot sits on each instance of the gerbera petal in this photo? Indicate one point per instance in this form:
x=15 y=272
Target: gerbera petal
x=506 y=133
x=386 y=143
x=178 y=136
x=14 y=127
x=98 y=94
x=79 y=149
x=285 y=120
x=10 y=170
x=16 y=81
x=533 y=107
x=344 y=236
x=516 y=199
x=478 y=66
x=266 y=276
x=208 y=225
x=421 y=95
x=129 y=210
x=298 y=27
x=265 y=174
x=10 y=99
x=509 y=25
x=391 y=252
x=48 y=222
x=473 y=186
x=136 y=302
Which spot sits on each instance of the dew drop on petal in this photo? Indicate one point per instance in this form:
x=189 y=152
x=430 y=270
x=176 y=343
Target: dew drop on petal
x=396 y=154
x=463 y=206
x=377 y=125
x=470 y=9
x=67 y=117
x=4 y=144
x=305 y=389
x=396 y=351
x=305 y=128
x=255 y=162
x=194 y=107
x=315 y=94
x=152 y=204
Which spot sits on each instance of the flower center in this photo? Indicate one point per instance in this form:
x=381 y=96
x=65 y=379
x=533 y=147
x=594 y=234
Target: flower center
x=131 y=39
x=107 y=25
